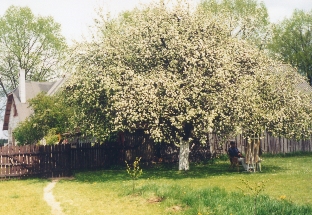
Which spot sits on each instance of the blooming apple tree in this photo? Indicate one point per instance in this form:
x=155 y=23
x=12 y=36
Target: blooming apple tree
x=179 y=74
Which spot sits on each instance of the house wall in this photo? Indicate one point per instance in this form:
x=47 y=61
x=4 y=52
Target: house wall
x=14 y=120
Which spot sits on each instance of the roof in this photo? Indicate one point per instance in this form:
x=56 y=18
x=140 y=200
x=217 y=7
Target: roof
x=305 y=87
x=302 y=85
x=7 y=111
x=56 y=86
x=32 y=90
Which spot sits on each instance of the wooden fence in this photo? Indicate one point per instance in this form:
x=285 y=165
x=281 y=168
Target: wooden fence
x=61 y=160
x=56 y=160
x=269 y=144
x=19 y=161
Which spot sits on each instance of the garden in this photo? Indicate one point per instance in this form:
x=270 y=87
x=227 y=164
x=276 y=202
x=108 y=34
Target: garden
x=175 y=74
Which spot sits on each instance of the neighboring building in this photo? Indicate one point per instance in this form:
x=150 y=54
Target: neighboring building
x=17 y=108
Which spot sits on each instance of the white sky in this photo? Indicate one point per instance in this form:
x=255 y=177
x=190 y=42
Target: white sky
x=75 y=16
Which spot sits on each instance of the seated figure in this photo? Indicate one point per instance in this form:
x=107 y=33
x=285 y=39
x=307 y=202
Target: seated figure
x=234 y=152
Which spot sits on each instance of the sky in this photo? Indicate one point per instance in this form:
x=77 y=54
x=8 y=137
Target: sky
x=76 y=16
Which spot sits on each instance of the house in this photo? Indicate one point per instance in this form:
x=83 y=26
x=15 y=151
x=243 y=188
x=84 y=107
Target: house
x=17 y=108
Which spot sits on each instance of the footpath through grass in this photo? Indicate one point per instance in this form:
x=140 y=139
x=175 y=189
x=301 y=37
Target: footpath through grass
x=205 y=189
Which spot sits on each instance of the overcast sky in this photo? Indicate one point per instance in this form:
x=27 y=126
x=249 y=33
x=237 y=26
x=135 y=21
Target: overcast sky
x=76 y=15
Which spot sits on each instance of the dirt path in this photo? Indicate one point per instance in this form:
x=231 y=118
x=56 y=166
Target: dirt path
x=49 y=198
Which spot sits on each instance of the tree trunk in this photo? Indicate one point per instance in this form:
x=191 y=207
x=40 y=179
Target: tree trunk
x=252 y=153
x=184 y=154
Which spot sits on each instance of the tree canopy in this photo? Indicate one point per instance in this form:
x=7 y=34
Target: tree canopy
x=164 y=69
x=292 y=42
x=33 y=43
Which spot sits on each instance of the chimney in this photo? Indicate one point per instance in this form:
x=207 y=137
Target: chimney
x=22 y=86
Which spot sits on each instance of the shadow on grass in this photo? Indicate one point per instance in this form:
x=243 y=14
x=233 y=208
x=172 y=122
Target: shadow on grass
x=170 y=171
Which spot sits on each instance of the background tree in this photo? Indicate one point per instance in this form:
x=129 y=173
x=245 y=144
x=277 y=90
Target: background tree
x=178 y=75
x=292 y=42
x=51 y=117
x=246 y=19
x=88 y=93
x=29 y=42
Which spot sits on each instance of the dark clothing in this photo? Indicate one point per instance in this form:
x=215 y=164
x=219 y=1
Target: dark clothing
x=233 y=152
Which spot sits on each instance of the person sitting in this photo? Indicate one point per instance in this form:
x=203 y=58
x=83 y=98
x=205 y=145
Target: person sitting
x=234 y=152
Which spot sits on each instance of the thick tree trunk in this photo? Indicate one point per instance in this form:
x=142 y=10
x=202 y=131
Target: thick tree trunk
x=184 y=154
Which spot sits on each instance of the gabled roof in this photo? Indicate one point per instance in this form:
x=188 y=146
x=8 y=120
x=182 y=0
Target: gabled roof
x=56 y=86
x=303 y=85
x=7 y=112
x=32 y=90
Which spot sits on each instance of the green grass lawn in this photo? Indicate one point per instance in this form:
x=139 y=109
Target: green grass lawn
x=23 y=197
x=205 y=189
x=162 y=189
